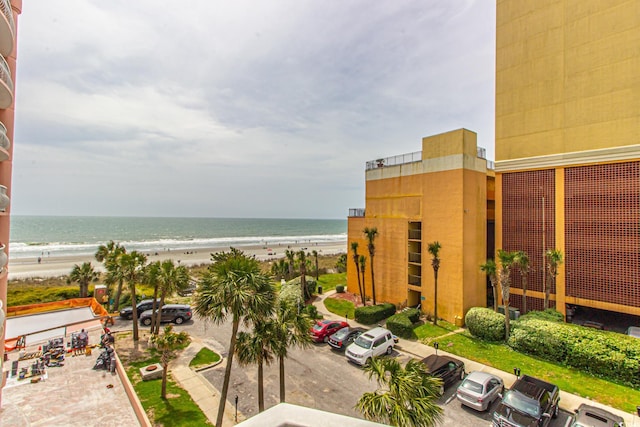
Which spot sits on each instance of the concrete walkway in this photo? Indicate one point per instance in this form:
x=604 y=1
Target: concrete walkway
x=568 y=402
x=202 y=391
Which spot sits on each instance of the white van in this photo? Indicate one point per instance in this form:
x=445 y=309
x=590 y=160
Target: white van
x=375 y=342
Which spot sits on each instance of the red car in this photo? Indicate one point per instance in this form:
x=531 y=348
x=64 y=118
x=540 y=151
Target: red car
x=323 y=329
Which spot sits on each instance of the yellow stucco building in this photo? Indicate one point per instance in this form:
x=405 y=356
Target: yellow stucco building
x=438 y=194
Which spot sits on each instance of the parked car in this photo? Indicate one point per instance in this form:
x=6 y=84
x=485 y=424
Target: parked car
x=323 y=329
x=590 y=416
x=633 y=331
x=529 y=402
x=345 y=336
x=375 y=342
x=448 y=369
x=176 y=313
x=145 y=304
x=479 y=390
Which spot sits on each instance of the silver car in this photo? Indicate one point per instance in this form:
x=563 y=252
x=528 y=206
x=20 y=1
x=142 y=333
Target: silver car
x=479 y=390
x=590 y=416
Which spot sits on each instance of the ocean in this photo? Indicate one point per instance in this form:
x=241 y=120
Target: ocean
x=33 y=236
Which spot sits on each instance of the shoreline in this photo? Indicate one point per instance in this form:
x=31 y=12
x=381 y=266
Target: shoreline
x=55 y=266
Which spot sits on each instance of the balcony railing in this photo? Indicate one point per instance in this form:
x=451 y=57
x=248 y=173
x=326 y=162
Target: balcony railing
x=415 y=234
x=415 y=280
x=6 y=88
x=5 y=143
x=7 y=28
x=356 y=212
x=415 y=257
x=400 y=159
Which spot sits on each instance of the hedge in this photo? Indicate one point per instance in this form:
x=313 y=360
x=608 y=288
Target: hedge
x=550 y=314
x=371 y=314
x=413 y=314
x=608 y=355
x=400 y=325
x=485 y=323
x=340 y=289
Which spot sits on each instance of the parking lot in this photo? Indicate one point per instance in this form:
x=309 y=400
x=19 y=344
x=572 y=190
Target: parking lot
x=316 y=377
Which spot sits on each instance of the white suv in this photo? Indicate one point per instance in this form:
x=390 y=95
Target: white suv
x=372 y=343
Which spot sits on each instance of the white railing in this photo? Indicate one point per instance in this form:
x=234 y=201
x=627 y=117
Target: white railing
x=5 y=8
x=356 y=212
x=5 y=74
x=400 y=159
x=4 y=139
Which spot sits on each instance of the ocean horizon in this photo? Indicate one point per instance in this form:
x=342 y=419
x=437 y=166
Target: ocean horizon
x=44 y=236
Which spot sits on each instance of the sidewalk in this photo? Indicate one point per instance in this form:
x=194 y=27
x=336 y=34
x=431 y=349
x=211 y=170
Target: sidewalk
x=568 y=402
x=201 y=391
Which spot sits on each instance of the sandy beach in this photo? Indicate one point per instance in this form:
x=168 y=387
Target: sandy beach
x=52 y=266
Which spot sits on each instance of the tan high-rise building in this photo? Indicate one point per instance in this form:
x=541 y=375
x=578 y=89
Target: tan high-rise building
x=568 y=148
x=9 y=11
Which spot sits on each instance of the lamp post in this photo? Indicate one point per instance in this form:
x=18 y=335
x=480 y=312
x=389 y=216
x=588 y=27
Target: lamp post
x=436 y=345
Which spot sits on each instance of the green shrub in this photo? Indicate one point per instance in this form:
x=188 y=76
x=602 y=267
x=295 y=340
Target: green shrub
x=550 y=314
x=413 y=314
x=340 y=289
x=311 y=311
x=400 y=325
x=485 y=324
x=373 y=314
x=604 y=354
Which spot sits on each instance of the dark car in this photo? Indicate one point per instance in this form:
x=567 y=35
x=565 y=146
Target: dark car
x=144 y=305
x=345 y=336
x=176 y=313
x=323 y=329
x=448 y=369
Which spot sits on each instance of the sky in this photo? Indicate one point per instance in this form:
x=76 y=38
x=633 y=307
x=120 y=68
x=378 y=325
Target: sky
x=237 y=108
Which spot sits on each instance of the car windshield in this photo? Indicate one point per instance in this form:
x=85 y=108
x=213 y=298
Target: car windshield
x=363 y=342
x=472 y=386
x=317 y=327
x=522 y=404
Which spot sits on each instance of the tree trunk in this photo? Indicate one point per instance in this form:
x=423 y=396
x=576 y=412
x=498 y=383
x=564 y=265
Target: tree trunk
x=116 y=305
x=165 y=368
x=359 y=282
x=495 y=296
x=227 y=372
x=134 y=314
x=373 y=283
x=281 y=363
x=364 y=291
x=524 y=295
x=507 y=317
x=158 y=316
x=154 y=308
x=260 y=387
x=435 y=297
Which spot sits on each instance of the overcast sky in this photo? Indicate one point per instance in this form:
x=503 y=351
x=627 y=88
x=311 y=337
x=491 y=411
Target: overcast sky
x=237 y=108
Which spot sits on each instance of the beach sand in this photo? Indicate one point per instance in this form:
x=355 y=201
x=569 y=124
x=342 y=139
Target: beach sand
x=52 y=266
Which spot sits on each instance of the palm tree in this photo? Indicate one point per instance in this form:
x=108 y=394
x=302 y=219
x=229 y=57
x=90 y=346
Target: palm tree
x=405 y=397
x=291 y=260
x=233 y=286
x=522 y=261
x=108 y=255
x=490 y=269
x=363 y=265
x=133 y=268
x=354 y=249
x=434 y=250
x=315 y=256
x=292 y=330
x=84 y=275
x=280 y=268
x=302 y=260
x=256 y=348
x=507 y=259
x=554 y=259
x=169 y=279
x=167 y=344
x=371 y=234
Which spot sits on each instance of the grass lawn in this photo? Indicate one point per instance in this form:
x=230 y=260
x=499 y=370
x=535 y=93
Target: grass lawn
x=330 y=281
x=428 y=330
x=205 y=357
x=340 y=307
x=500 y=356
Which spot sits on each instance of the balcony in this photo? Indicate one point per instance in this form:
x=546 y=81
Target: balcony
x=5 y=143
x=415 y=280
x=400 y=159
x=415 y=257
x=6 y=84
x=359 y=212
x=7 y=28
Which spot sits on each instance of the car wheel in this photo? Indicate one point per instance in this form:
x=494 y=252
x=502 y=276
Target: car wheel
x=179 y=320
x=389 y=350
x=461 y=374
x=442 y=390
x=326 y=339
x=555 y=411
x=147 y=321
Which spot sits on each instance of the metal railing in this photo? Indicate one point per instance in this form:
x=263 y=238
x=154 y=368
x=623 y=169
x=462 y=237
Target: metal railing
x=356 y=212
x=415 y=234
x=5 y=8
x=415 y=280
x=415 y=257
x=5 y=74
x=400 y=159
x=4 y=139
